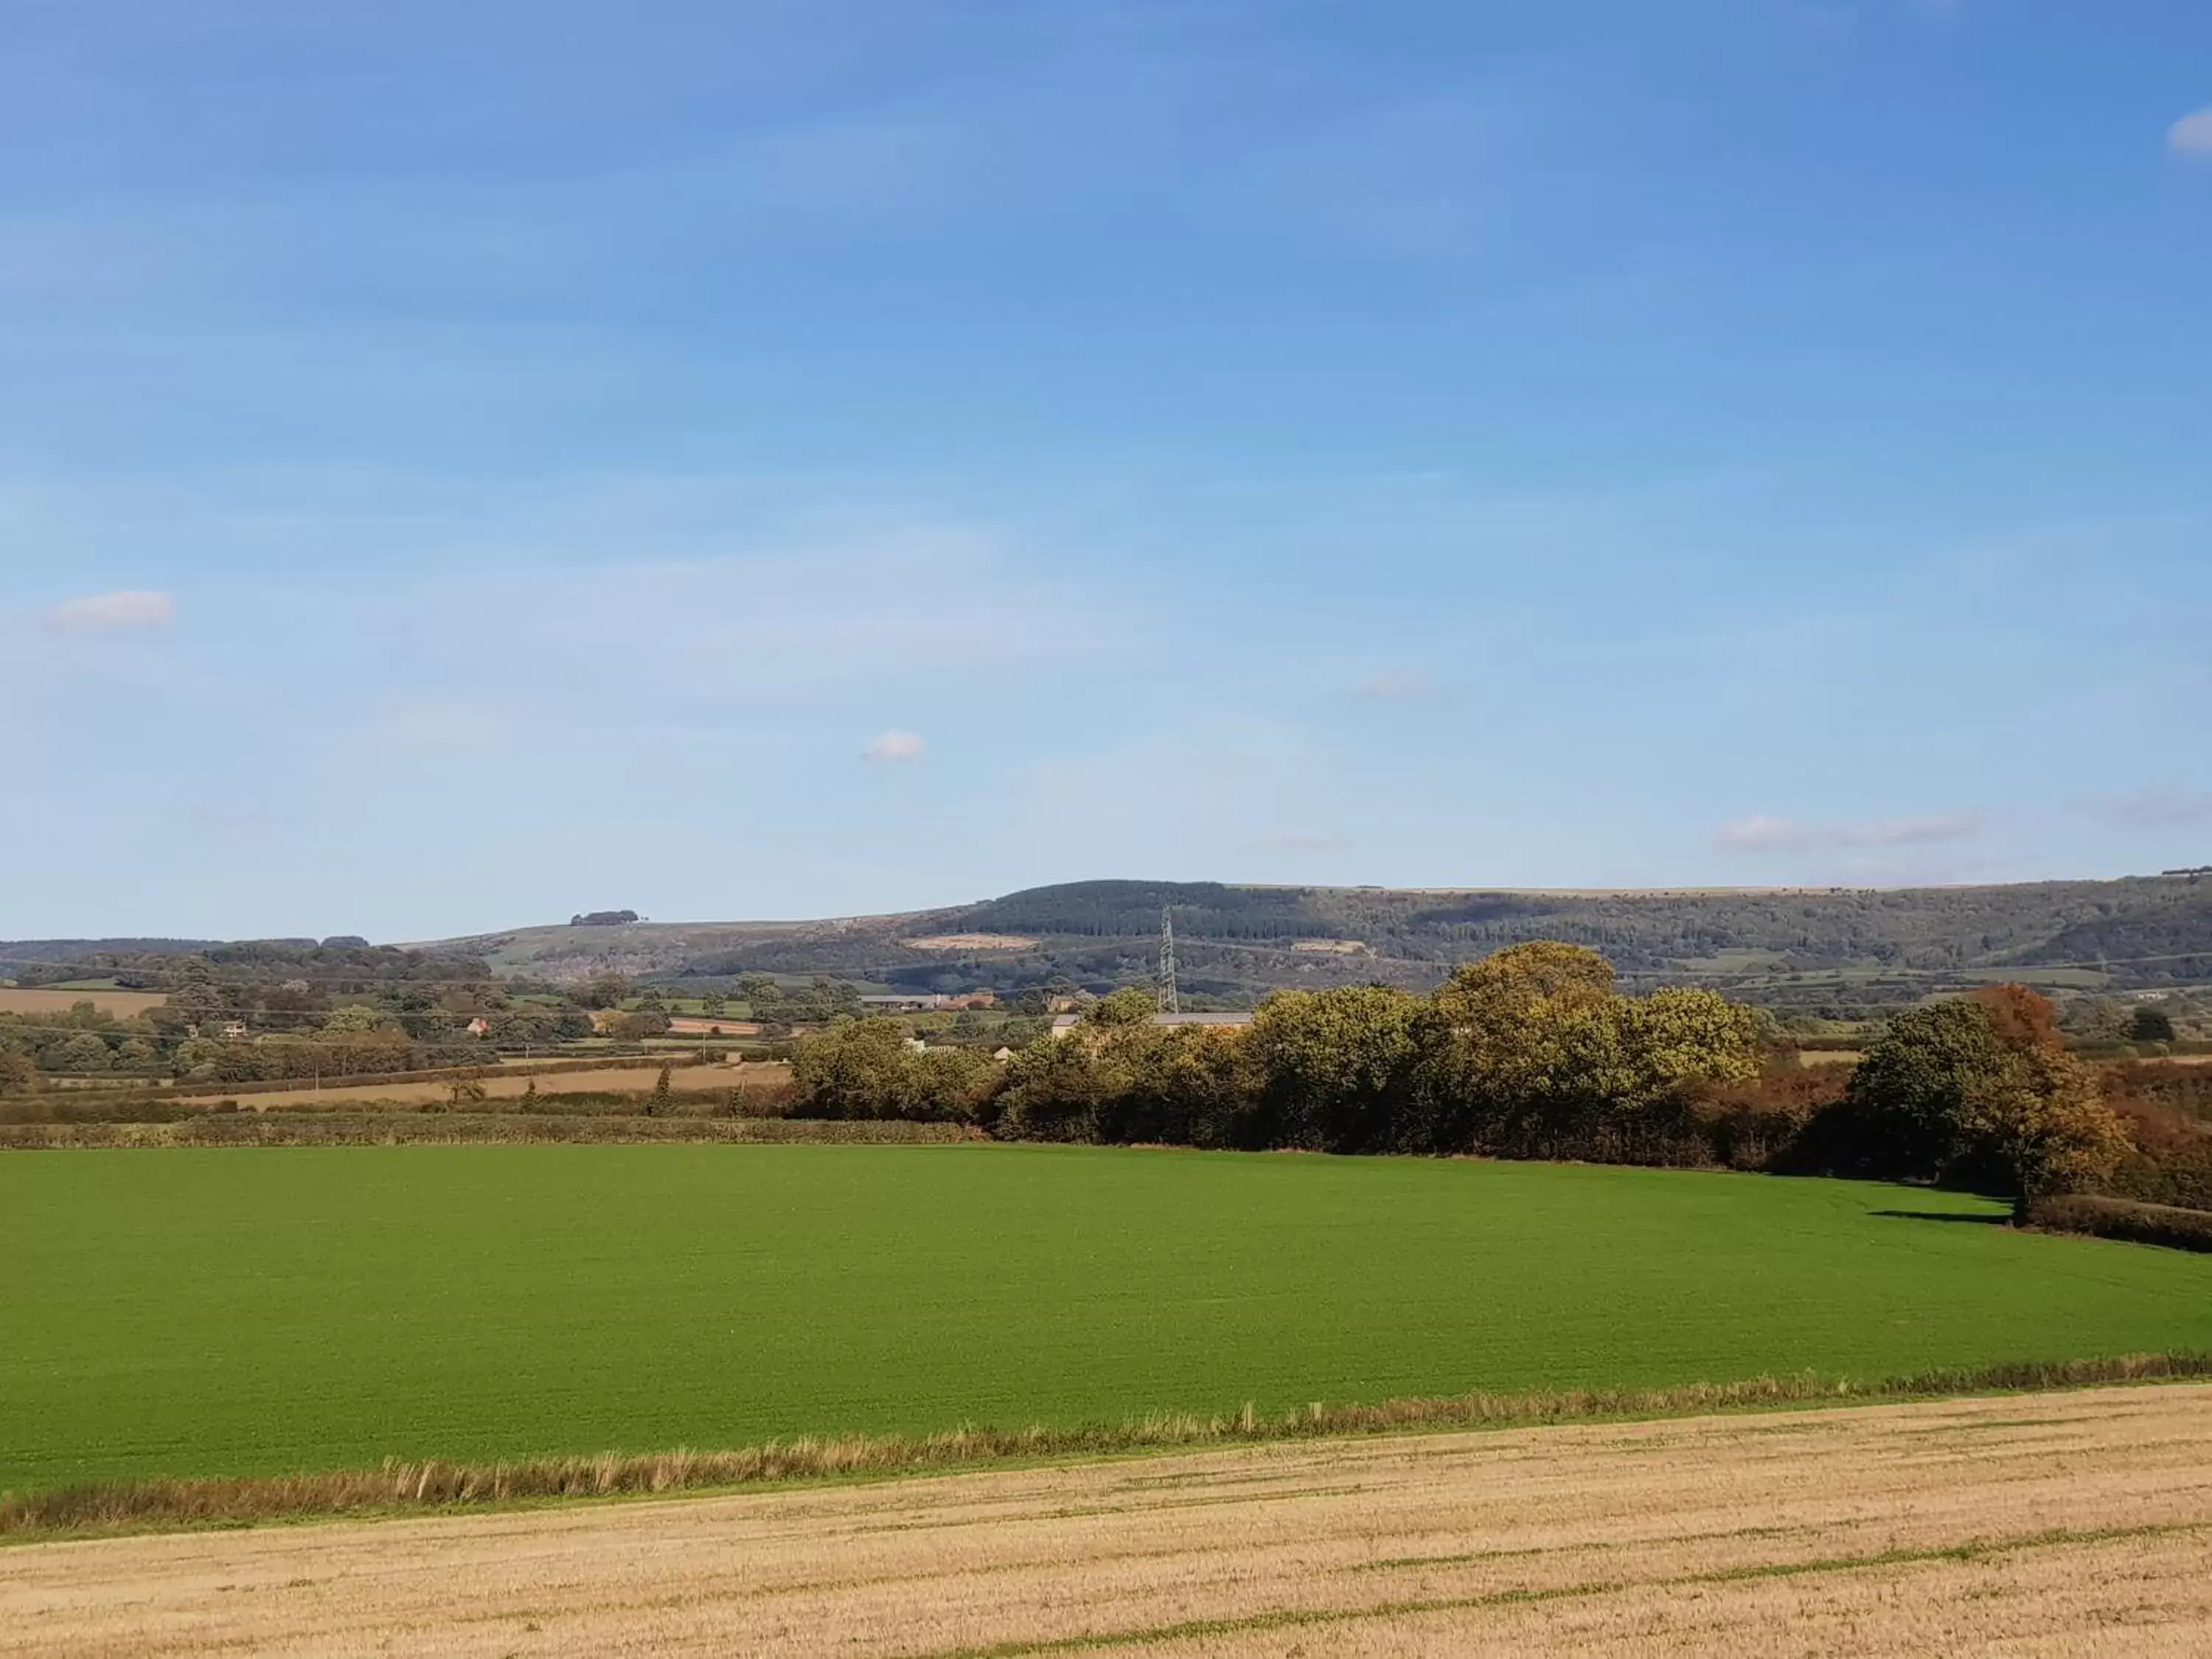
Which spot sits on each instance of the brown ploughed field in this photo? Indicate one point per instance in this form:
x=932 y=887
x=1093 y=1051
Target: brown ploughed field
x=2076 y=1523
x=758 y=1074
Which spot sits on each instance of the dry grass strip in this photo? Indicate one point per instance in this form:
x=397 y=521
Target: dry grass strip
x=400 y=1488
x=2073 y=1525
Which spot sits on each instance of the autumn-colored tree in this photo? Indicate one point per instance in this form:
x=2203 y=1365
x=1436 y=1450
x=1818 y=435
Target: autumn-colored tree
x=1684 y=1036
x=2024 y=1021
x=1981 y=1088
x=1519 y=978
x=2045 y=1122
x=1532 y=1027
x=1533 y=1051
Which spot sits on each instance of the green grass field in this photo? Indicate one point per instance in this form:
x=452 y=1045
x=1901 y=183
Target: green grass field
x=221 y=1312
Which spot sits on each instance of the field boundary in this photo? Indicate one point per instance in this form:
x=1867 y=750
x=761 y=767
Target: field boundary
x=409 y=1127
x=403 y=1488
x=490 y=1066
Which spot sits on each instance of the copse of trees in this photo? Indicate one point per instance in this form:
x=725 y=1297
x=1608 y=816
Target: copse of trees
x=1538 y=1055
x=823 y=1000
x=1981 y=1091
x=81 y=1041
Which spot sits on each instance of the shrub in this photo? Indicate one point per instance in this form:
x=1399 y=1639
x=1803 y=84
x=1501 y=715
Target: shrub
x=19 y=1075
x=2151 y=1025
x=2171 y=1159
x=2122 y=1218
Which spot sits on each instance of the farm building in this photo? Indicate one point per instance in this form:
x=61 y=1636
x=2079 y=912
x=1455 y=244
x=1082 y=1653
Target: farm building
x=922 y=1002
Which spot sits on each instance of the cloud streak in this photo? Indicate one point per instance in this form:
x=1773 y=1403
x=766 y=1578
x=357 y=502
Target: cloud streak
x=2192 y=136
x=1394 y=685
x=113 y=613
x=2148 y=809
x=894 y=745
x=1762 y=833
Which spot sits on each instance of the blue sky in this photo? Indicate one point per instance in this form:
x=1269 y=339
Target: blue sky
x=464 y=463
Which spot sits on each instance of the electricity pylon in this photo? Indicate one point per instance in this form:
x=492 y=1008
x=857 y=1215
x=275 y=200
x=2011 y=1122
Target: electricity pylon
x=1168 y=1004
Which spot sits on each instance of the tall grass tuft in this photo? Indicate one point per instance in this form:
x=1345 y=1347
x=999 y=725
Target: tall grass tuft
x=401 y=1487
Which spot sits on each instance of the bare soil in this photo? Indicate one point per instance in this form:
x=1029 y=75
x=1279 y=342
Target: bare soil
x=2032 y=1525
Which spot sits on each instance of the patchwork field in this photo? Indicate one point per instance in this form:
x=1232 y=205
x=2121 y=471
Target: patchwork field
x=2073 y=1524
x=122 y=1004
x=245 y=1311
x=625 y=1078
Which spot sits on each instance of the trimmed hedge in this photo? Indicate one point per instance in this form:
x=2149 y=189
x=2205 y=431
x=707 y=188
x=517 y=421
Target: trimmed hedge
x=449 y=1129
x=2125 y=1219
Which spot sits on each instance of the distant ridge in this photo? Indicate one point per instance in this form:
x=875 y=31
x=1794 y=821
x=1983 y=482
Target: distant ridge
x=1791 y=946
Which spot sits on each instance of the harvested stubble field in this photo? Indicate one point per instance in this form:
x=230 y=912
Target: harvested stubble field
x=124 y=1004
x=254 y=1311
x=498 y=1085
x=2074 y=1524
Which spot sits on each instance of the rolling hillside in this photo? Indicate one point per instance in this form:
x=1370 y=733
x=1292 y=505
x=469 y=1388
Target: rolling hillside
x=1788 y=947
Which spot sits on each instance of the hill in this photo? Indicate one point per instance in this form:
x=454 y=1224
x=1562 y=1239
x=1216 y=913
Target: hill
x=1809 y=948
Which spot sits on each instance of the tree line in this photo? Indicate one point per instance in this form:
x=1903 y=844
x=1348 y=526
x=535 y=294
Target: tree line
x=1531 y=1053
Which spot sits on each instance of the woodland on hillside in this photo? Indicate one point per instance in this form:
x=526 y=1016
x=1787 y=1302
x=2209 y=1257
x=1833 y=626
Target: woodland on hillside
x=1835 y=952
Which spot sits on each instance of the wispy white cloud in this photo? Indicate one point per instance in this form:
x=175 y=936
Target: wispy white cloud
x=894 y=745
x=2191 y=135
x=1762 y=833
x=2149 y=809
x=1394 y=685
x=113 y=613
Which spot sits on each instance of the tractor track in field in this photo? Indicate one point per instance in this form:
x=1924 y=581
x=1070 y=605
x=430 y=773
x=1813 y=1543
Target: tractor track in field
x=2073 y=1524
